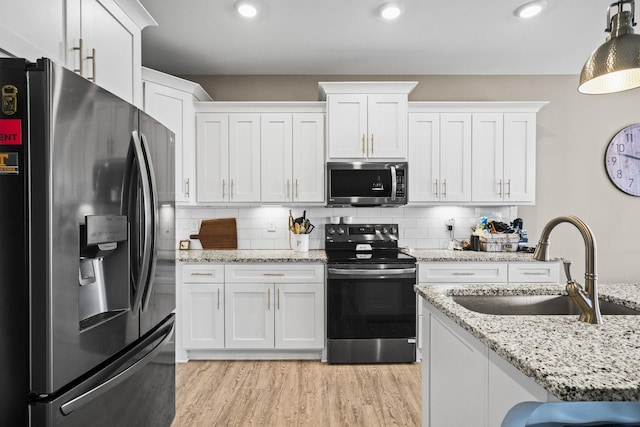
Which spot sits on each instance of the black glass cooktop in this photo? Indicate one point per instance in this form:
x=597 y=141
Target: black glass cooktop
x=377 y=256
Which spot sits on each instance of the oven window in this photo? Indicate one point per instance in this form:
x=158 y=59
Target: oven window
x=371 y=308
x=361 y=183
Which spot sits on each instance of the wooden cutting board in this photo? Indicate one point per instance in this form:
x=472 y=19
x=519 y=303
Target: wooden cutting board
x=218 y=234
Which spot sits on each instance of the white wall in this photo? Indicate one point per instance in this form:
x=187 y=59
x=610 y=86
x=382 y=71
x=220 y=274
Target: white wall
x=573 y=132
x=418 y=227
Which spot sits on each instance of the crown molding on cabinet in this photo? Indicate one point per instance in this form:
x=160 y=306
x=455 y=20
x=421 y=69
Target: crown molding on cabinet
x=325 y=88
x=476 y=106
x=175 y=83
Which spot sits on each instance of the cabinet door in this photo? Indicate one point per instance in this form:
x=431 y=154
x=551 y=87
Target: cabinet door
x=308 y=157
x=174 y=109
x=456 y=368
x=249 y=311
x=299 y=316
x=455 y=157
x=34 y=28
x=202 y=316
x=424 y=157
x=520 y=157
x=115 y=42
x=212 y=140
x=387 y=126
x=487 y=157
x=347 y=126
x=276 y=158
x=244 y=157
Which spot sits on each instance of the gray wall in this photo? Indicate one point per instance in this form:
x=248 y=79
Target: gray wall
x=573 y=132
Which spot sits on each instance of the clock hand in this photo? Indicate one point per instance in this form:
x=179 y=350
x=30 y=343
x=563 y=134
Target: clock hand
x=630 y=156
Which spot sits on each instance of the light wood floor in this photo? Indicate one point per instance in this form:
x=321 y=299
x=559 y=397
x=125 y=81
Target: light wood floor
x=296 y=393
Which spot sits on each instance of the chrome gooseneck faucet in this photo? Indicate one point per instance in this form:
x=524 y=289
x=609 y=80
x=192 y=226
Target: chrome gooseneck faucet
x=587 y=299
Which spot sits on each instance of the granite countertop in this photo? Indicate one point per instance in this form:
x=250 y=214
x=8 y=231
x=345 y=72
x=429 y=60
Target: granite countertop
x=572 y=360
x=318 y=255
x=246 y=255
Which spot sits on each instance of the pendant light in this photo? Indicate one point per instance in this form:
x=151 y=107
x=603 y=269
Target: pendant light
x=614 y=66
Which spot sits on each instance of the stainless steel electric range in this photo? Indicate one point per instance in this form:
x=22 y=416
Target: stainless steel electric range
x=371 y=304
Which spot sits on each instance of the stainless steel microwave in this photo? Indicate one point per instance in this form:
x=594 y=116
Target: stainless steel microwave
x=366 y=184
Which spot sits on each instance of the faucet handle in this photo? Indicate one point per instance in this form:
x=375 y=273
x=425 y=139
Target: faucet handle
x=567 y=269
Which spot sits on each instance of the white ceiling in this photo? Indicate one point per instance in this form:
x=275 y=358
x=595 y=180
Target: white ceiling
x=346 y=37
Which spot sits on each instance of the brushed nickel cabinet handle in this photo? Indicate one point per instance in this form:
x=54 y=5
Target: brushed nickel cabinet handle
x=79 y=48
x=459 y=273
x=530 y=273
x=202 y=274
x=363 y=143
x=231 y=190
x=436 y=188
x=273 y=274
x=508 y=193
x=288 y=186
x=371 y=143
x=223 y=185
x=444 y=188
x=268 y=299
x=93 y=65
x=500 y=188
x=187 y=187
x=278 y=296
x=297 y=190
x=218 y=298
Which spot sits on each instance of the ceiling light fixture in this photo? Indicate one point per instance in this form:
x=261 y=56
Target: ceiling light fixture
x=614 y=66
x=530 y=9
x=391 y=10
x=246 y=9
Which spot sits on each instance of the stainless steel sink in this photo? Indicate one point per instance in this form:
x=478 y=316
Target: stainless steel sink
x=533 y=305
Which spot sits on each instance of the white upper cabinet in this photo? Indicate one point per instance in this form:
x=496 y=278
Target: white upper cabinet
x=366 y=120
x=171 y=101
x=292 y=157
x=472 y=152
x=228 y=157
x=100 y=39
x=439 y=157
x=505 y=145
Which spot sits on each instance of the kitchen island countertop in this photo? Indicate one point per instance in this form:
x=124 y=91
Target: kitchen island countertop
x=572 y=360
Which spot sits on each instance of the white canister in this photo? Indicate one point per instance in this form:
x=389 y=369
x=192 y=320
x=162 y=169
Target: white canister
x=300 y=242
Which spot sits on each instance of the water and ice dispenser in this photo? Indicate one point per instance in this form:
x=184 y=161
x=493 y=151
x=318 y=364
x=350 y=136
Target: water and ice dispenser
x=104 y=268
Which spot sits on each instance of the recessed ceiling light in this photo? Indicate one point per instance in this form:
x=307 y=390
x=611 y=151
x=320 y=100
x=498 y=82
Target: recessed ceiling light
x=391 y=10
x=530 y=9
x=246 y=9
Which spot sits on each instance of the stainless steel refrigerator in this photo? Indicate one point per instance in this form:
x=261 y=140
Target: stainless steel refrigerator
x=87 y=270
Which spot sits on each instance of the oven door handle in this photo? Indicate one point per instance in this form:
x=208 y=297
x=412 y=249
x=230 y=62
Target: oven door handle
x=394 y=183
x=367 y=272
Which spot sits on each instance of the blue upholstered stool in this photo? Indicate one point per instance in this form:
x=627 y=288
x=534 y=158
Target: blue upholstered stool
x=557 y=414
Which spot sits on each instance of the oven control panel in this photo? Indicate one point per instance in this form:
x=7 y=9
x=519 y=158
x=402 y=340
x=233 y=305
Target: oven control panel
x=361 y=233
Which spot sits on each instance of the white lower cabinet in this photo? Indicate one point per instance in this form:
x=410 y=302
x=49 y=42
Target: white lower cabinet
x=244 y=310
x=464 y=383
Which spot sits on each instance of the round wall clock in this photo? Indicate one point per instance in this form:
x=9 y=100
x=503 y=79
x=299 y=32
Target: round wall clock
x=622 y=160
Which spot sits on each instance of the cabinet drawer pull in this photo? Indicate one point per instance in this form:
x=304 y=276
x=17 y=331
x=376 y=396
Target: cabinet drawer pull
x=268 y=299
x=278 y=297
x=297 y=190
x=218 y=298
x=444 y=188
x=202 y=274
x=508 y=193
x=531 y=273
x=187 y=187
x=500 y=188
x=231 y=191
x=371 y=143
x=223 y=185
x=460 y=273
x=273 y=274
x=363 y=143
x=436 y=188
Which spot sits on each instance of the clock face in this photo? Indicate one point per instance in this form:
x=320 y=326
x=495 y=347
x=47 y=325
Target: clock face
x=622 y=160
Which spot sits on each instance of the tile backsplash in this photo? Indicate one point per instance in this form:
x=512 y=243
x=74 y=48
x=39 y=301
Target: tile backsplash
x=266 y=227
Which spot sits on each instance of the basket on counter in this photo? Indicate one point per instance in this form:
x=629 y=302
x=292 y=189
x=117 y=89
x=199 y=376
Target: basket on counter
x=499 y=242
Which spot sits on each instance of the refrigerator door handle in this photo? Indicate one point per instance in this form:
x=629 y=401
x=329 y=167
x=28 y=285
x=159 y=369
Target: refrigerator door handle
x=138 y=159
x=153 y=199
x=163 y=335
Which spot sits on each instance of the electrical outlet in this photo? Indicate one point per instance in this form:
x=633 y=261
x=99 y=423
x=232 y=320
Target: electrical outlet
x=194 y=226
x=271 y=226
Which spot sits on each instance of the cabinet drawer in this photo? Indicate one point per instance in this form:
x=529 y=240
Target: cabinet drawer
x=272 y=273
x=534 y=272
x=462 y=272
x=203 y=273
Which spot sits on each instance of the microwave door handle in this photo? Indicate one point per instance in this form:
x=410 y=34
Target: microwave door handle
x=394 y=182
